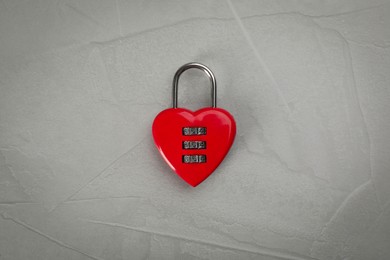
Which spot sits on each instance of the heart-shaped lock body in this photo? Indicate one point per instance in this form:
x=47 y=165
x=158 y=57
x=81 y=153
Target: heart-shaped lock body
x=194 y=143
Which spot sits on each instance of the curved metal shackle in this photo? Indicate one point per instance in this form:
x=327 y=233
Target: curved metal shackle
x=196 y=66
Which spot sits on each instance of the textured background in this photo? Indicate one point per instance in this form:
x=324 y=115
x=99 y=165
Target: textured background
x=307 y=81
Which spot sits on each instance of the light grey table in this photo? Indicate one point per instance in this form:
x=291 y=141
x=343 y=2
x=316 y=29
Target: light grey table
x=307 y=81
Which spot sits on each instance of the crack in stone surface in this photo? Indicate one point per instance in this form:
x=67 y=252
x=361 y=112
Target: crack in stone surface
x=5 y=216
x=339 y=210
x=261 y=61
x=98 y=175
x=263 y=251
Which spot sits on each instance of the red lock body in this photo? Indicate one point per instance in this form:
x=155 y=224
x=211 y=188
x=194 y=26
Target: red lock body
x=168 y=136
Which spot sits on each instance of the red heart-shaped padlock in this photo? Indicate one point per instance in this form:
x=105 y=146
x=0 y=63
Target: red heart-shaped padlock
x=194 y=143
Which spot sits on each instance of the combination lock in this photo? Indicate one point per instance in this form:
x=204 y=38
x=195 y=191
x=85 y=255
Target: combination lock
x=194 y=143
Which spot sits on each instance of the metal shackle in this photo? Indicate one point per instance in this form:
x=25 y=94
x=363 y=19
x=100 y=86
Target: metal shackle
x=196 y=66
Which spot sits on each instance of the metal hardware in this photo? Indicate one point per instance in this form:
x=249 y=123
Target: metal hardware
x=193 y=145
x=196 y=66
x=194 y=158
x=194 y=130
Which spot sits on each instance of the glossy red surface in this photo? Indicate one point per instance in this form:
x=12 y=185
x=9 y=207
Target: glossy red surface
x=167 y=132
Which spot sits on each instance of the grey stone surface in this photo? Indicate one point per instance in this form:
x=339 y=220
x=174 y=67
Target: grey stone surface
x=307 y=82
